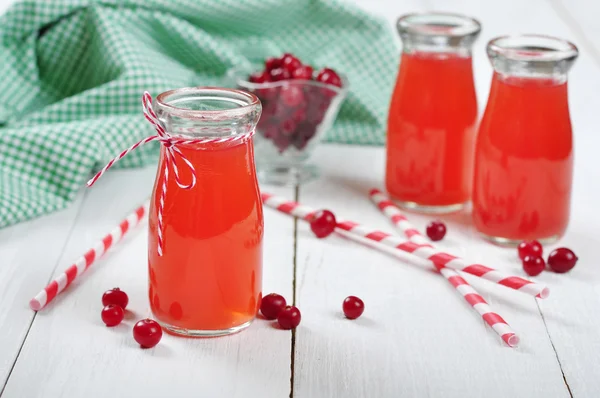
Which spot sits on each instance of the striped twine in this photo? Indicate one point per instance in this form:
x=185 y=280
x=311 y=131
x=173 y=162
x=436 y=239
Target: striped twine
x=172 y=156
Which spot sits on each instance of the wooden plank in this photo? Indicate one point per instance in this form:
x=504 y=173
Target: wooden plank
x=70 y=353
x=29 y=252
x=417 y=338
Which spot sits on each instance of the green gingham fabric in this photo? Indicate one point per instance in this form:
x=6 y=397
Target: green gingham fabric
x=72 y=73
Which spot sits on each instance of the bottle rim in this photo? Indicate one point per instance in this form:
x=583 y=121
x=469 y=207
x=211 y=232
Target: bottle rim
x=438 y=24
x=235 y=103
x=532 y=48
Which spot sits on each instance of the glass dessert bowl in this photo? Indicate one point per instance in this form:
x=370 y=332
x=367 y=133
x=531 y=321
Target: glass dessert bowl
x=296 y=114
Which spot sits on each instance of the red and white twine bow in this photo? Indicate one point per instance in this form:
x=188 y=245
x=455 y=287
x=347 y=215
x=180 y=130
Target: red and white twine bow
x=172 y=155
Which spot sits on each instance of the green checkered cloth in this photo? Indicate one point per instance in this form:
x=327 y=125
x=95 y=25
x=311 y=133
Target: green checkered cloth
x=72 y=73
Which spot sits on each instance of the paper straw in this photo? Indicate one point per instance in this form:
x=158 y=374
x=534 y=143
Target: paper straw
x=84 y=262
x=352 y=229
x=477 y=302
x=448 y=260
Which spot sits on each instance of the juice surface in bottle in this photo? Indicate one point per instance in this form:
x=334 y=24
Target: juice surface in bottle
x=431 y=130
x=524 y=160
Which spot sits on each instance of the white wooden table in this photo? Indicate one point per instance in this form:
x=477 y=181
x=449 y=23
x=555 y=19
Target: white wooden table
x=417 y=338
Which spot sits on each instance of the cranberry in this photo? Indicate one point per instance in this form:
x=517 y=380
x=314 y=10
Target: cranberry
x=533 y=265
x=289 y=317
x=279 y=74
x=436 y=230
x=112 y=315
x=353 y=307
x=260 y=77
x=288 y=127
x=562 y=260
x=115 y=296
x=303 y=72
x=307 y=130
x=147 y=333
x=272 y=63
x=281 y=142
x=267 y=93
x=289 y=62
x=270 y=132
x=329 y=76
x=318 y=106
x=301 y=142
x=323 y=223
x=271 y=305
x=292 y=95
x=299 y=115
x=529 y=248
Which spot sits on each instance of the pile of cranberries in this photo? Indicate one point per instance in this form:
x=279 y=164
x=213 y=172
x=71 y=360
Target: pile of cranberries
x=292 y=112
x=146 y=332
x=273 y=306
x=560 y=260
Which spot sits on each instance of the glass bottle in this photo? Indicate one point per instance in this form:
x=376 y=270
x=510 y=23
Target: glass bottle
x=207 y=282
x=433 y=114
x=524 y=152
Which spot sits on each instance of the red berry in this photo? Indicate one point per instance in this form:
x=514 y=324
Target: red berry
x=299 y=115
x=353 y=307
x=279 y=74
x=147 y=333
x=292 y=95
x=436 y=230
x=323 y=223
x=303 y=72
x=289 y=62
x=329 y=76
x=260 y=77
x=289 y=317
x=530 y=248
x=562 y=260
x=115 y=296
x=112 y=315
x=272 y=63
x=271 y=305
x=533 y=265
x=288 y=127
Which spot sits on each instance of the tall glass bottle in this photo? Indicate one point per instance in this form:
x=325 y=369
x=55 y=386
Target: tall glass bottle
x=205 y=263
x=524 y=152
x=433 y=114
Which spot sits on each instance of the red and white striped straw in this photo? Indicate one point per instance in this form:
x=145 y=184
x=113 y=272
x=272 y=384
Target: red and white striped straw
x=493 y=319
x=352 y=229
x=84 y=262
x=444 y=259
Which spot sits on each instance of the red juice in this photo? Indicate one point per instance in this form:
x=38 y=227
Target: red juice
x=524 y=160
x=431 y=131
x=209 y=277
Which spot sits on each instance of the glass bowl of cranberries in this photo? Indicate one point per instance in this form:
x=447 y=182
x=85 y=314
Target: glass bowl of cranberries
x=299 y=105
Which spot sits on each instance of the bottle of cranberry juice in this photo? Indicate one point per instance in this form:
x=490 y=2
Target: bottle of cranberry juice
x=433 y=114
x=524 y=152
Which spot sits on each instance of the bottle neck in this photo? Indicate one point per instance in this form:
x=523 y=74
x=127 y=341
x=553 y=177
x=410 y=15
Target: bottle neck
x=438 y=33
x=532 y=57
x=207 y=112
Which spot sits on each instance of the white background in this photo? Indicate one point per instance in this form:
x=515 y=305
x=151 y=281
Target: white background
x=417 y=338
